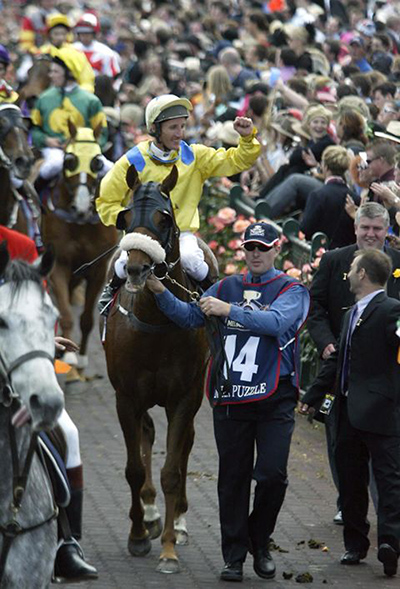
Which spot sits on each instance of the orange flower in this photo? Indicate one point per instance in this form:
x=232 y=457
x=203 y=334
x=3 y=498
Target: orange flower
x=230 y=269
x=240 y=225
x=294 y=273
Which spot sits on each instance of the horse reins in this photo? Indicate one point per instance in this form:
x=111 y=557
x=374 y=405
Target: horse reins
x=12 y=528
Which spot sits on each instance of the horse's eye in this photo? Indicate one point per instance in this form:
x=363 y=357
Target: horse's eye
x=97 y=164
x=71 y=162
x=166 y=222
x=3 y=323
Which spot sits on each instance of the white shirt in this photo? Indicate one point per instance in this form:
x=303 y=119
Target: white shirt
x=102 y=58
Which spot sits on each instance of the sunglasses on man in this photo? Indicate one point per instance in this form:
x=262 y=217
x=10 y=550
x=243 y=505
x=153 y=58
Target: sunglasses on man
x=250 y=247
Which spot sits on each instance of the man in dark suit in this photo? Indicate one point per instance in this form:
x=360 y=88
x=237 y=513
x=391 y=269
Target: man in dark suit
x=331 y=295
x=330 y=292
x=365 y=376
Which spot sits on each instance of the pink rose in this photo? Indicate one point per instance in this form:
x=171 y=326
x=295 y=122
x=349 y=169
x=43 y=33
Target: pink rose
x=221 y=250
x=226 y=215
x=216 y=223
x=239 y=255
x=234 y=244
x=213 y=245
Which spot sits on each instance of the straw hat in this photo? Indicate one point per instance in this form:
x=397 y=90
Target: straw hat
x=283 y=124
x=392 y=132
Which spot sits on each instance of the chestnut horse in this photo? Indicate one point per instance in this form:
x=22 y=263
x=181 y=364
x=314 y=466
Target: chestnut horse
x=38 y=80
x=15 y=161
x=73 y=227
x=150 y=361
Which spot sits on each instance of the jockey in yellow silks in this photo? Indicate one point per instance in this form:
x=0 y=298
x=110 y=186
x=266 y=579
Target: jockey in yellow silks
x=166 y=117
x=60 y=37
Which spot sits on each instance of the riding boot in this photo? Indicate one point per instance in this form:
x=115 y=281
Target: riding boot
x=107 y=296
x=70 y=563
x=40 y=185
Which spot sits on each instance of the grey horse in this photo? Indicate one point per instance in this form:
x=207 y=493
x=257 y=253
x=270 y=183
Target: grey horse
x=28 y=528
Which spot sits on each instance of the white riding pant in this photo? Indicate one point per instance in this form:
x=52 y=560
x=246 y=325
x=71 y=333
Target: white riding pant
x=71 y=435
x=192 y=258
x=54 y=160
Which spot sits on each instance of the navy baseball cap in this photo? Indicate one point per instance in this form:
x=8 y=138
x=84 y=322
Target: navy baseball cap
x=261 y=233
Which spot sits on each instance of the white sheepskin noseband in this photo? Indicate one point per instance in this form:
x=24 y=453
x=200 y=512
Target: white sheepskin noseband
x=144 y=243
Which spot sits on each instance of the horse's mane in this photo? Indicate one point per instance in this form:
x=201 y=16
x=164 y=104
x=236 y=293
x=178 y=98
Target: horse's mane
x=19 y=271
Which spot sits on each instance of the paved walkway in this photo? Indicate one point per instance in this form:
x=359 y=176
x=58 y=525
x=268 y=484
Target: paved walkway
x=306 y=515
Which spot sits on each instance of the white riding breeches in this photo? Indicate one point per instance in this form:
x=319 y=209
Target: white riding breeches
x=71 y=435
x=54 y=159
x=192 y=258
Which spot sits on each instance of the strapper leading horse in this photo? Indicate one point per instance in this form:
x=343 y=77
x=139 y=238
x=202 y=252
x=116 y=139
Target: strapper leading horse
x=151 y=361
x=28 y=528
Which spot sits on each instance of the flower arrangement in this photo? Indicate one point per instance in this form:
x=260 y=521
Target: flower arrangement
x=223 y=229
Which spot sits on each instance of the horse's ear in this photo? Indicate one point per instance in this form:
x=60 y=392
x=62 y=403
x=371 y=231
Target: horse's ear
x=47 y=261
x=72 y=129
x=97 y=131
x=132 y=178
x=168 y=184
x=4 y=257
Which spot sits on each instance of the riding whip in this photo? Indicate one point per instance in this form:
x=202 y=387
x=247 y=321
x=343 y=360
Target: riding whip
x=84 y=267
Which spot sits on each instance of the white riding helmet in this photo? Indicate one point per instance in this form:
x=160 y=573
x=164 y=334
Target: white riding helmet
x=166 y=107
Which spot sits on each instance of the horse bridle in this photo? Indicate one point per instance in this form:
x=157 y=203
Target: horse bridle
x=13 y=120
x=12 y=528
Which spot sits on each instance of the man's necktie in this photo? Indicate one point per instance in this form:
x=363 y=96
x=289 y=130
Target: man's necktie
x=347 y=351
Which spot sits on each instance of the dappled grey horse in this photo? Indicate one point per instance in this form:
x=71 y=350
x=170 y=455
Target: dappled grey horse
x=28 y=528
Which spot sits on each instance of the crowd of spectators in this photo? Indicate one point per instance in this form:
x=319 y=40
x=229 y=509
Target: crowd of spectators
x=310 y=75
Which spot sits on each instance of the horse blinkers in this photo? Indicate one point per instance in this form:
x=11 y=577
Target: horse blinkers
x=71 y=162
x=148 y=204
x=97 y=164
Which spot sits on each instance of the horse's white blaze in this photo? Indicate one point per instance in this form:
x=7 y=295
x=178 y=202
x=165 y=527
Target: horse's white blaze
x=151 y=513
x=83 y=199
